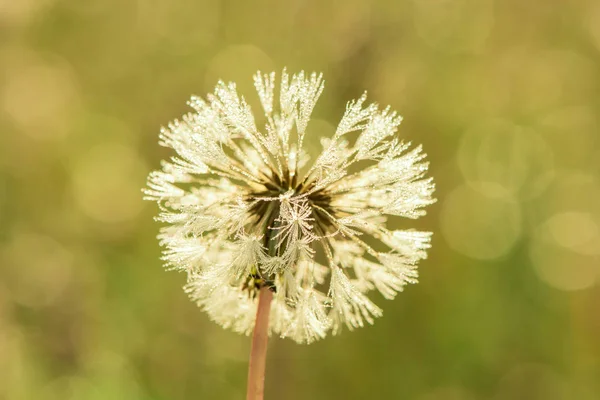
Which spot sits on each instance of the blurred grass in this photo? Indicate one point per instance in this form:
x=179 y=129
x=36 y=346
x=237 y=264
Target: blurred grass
x=502 y=94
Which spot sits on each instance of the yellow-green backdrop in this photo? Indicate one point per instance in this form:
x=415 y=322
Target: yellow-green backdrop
x=504 y=95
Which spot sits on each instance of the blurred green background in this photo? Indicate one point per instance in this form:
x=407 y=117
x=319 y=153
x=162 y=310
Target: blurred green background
x=504 y=96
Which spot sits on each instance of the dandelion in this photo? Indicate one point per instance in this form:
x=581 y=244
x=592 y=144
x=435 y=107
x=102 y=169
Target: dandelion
x=272 y=244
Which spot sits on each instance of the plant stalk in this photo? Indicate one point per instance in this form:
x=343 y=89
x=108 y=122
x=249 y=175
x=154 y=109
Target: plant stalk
x=258 y=352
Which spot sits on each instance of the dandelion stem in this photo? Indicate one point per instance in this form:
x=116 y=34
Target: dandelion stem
x=258 y=353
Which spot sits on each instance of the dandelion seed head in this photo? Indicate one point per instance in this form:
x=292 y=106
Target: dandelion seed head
x=243 y=208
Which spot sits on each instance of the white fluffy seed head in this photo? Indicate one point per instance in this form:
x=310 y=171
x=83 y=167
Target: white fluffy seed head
x=243 y=209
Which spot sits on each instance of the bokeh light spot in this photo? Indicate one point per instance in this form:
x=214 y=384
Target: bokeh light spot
x=479 y=226
x=570 y=212
x=553 y=258
x=517 y=159
x=20 y=12
x=572 y=229
x=534 y=382
x=549 y=77
x=106 y=181
x=40 y=98
x=41 y=269
x=593 y=22
x=454 y=25
x=574 y=131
